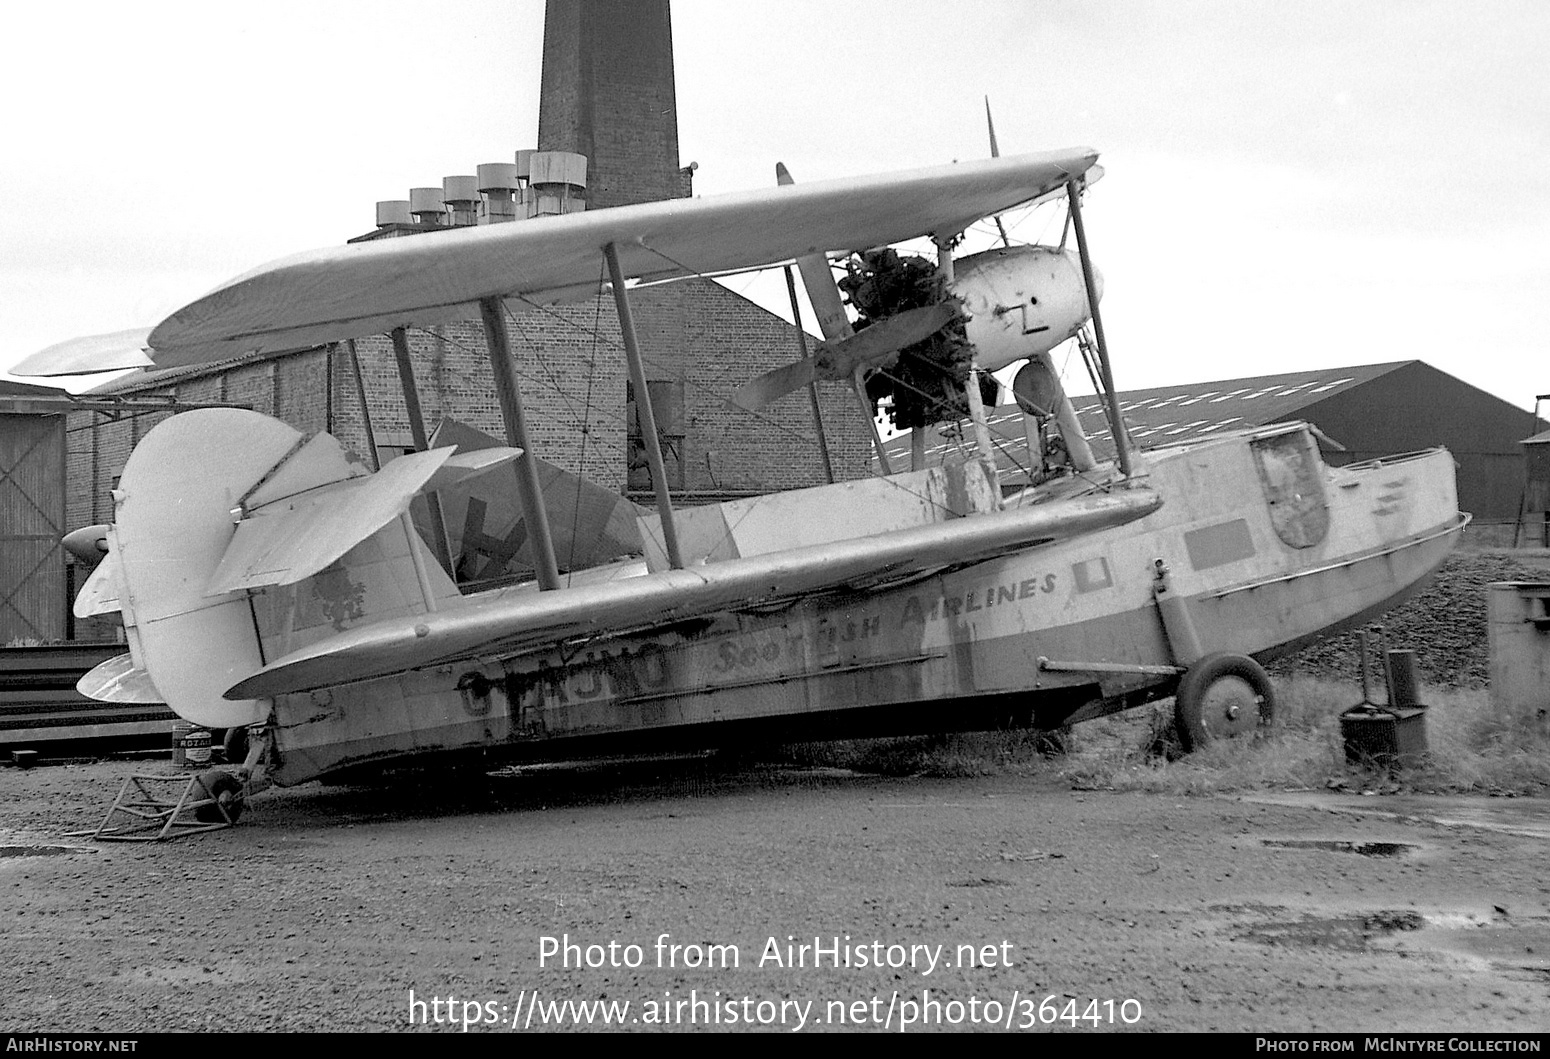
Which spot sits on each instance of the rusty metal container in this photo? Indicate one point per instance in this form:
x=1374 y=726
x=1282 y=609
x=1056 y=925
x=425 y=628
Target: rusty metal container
x=1389 y=736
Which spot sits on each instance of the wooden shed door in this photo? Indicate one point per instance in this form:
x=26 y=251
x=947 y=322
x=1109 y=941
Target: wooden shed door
x=32 y=515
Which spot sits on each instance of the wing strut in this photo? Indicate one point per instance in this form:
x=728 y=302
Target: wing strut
x=421 y=443
x=529 y=492
x=812 y=387
x=1116 y=424
x=360 y=395
x=971 y=390
x=835 y=325
x=648 y=418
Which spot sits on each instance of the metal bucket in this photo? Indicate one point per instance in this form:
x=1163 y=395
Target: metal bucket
x=196 y=748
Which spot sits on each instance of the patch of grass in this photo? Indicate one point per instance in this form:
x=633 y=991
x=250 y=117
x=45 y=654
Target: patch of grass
x=1472 y=748
x=1142 y=754
x=1017 y=751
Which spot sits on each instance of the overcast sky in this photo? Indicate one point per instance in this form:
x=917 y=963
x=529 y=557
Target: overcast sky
x=1289 y=185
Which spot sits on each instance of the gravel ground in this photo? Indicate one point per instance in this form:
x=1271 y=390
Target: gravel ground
x=326 y=907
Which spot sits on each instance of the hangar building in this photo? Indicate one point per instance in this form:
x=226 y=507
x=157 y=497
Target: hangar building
x=1373 y=410
x=32 y=518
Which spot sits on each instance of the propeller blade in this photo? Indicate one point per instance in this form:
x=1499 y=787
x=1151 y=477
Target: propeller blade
x=773 y=385
x=839 y=361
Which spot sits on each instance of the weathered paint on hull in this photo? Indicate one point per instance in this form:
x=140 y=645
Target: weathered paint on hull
x=1322 y=603
x=962 y=646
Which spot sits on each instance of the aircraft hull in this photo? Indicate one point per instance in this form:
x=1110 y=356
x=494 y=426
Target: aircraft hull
x=1267 y=548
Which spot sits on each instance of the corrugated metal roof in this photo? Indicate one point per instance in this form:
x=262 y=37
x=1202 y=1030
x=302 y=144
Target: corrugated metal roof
x=10 y=388
x=154 y=378
x=1167 y=415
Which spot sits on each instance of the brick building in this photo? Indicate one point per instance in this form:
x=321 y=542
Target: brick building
x=607 y=93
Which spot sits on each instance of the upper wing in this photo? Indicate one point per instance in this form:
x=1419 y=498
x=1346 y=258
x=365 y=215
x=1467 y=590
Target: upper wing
x=90 y=353
x=343 y=292
x=514 y=620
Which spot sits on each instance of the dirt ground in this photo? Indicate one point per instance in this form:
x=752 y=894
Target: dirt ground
x=1008 y=901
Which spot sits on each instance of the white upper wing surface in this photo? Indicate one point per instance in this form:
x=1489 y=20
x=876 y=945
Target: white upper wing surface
x=90 y=353
x=347 y=291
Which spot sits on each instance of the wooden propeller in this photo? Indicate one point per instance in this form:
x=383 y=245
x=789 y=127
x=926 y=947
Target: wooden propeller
x=840 y=360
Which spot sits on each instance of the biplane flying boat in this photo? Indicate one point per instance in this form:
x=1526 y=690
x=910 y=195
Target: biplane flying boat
x=271 y=582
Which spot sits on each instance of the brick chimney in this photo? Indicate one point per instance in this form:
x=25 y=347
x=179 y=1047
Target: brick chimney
x=608 y=93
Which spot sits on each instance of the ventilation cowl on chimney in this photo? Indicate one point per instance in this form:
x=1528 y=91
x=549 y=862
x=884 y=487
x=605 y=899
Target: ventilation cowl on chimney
x=461 y=194
x=502 y=190
x=558 y=183
x=427 y=205
x=393 y=211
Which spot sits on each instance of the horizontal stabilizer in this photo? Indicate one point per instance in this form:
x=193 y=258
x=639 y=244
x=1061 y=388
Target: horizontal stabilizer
x=289 y=539
x=462 y=466
x=99 y=595
x=311 y=463
x=511 y=621
x=88 y=544
x=117 y=680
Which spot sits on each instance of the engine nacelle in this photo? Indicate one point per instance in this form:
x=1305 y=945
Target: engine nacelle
x=1021 y=301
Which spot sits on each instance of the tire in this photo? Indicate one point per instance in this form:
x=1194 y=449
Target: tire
x=228 y=790
x=1222 y=696
x=236 y=745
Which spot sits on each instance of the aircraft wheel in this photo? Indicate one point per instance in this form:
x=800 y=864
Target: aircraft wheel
x=227 y=789
x=236 y=745
x=1222 y=696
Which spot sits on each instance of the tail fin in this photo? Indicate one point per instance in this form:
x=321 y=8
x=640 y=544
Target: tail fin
x=238 y=539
